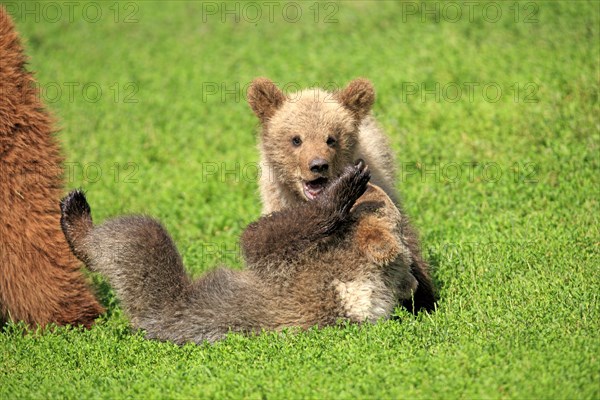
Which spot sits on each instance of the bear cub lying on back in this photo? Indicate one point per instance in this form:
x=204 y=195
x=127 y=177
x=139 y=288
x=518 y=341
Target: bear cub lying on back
x=339 y=257
x=306 y=141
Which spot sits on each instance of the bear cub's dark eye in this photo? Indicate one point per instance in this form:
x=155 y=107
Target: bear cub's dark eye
x=331 y=141
x=296 y=141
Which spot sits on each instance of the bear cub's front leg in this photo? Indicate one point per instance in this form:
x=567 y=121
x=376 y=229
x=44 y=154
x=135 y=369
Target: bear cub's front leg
x=284 y=234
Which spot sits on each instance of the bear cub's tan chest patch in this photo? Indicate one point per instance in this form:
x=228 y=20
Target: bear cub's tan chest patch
x=365 y=299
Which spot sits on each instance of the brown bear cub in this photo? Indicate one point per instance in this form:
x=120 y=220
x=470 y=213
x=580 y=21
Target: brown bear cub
x=40 y=280
x=306 y=141
x=342 y=256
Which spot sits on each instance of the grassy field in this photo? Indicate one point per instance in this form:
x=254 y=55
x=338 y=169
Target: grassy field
x=492 y=110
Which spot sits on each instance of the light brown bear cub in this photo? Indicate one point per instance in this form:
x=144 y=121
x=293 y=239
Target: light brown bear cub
x=309 y=137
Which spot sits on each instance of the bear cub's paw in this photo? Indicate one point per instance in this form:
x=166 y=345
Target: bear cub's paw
x=72 y=207
x=351 y=184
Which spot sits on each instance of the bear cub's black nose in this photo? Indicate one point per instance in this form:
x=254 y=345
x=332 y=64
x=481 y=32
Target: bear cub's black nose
x=318 y=166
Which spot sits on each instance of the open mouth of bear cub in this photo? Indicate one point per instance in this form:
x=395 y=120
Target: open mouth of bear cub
x=313 y=188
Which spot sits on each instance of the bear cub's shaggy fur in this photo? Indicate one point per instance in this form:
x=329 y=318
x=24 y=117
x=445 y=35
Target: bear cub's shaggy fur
x=309 y=264
x=306 y=141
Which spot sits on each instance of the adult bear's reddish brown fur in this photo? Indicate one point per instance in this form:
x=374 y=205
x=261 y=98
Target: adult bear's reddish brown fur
x=40 y=280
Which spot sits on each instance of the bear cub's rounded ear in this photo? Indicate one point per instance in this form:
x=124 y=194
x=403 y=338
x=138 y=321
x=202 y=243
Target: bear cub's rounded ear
x=358 y=97
x=264 y=98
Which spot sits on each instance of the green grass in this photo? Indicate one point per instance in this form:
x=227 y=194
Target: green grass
x=514 y=239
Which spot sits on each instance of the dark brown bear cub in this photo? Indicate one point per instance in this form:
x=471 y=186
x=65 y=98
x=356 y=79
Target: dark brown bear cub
x=308 y=265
